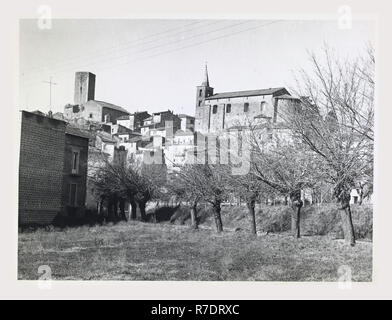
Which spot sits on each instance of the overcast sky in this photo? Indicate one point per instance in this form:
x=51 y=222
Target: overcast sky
x=156 y=64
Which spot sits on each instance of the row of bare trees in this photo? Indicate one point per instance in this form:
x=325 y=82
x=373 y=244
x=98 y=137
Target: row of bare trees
x=325 y=137
x=115 y=183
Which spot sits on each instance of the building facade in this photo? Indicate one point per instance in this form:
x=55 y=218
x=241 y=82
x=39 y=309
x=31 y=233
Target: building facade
x=52 y=170
x=217 y=112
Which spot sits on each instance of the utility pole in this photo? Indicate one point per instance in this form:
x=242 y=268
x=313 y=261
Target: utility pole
x=51 y=83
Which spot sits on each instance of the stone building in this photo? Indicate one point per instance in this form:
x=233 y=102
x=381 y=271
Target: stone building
x=187 y=122
x=133 y=121
x=176 y=153
x=86 y=107
x=217 y=112
x=166 y=120
x=52 y=170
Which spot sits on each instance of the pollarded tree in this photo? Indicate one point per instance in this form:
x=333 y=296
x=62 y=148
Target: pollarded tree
x=206 y=182
x=336 y=123
x=108 y=188
x=179 y=187
x=136 y=182
x=281 y=162
x=241 y=183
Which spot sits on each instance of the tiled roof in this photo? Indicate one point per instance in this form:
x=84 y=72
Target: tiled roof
x=106 y=137
x=110 y=106
x=247 y=93
x=287 y=96
x=77 y=132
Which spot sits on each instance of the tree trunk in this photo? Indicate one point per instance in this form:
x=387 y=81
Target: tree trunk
x=142 y=207
x=110 y=210
x=296 y=205
x=217 y=216
x=347 y=223
x=360 y=195
x=133 y=209
x=194 y=224
x=115 y=210
x=100 y=206
x=122 y=210
x=251 y=209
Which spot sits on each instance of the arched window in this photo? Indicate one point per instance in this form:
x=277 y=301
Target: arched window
x=246 y=106
x=228 y=108
x=200 y=92
x=214 y=108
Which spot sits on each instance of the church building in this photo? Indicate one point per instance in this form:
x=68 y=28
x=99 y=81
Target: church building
x=217 y=112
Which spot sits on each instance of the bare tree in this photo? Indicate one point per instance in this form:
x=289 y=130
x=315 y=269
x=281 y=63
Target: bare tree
x=179 y=186
x=206 y=182
x=336 y=123
x=136 y=182
x=109 y=190
x=282 y=163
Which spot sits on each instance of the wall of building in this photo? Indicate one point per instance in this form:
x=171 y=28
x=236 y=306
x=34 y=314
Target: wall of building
x=90 y=110
x=127 y=123
x=40 y=169
x=75 y=143
x=187 y=123
x=113 y=114
x=237 y=115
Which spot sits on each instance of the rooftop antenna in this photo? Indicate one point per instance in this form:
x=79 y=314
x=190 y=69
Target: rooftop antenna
x=51 y=83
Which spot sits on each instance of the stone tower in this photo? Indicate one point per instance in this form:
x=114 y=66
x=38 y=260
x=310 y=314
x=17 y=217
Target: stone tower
x=202 y=113
x=84 y=87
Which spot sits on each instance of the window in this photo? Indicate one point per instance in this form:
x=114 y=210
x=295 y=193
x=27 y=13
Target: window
x=72 y=194
x=262 y=104
x=75 y=161
x=228 y=108
x=214 y=108
x=200 y=92
x=246 y=107
x=90 y=115
x=199 y=103
x=191 y=121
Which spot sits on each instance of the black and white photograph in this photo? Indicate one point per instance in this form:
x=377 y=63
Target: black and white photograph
x=196 y=149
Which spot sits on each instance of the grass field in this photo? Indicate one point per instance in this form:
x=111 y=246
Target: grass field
x=146 y=251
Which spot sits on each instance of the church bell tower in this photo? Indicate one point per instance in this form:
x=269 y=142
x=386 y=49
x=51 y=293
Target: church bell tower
x=204 y=90
x=202 y=111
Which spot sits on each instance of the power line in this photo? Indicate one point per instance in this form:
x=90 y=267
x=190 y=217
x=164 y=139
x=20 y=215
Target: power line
x=101 y=58
x=128 y=44
x=188 y=46
x=193 y=45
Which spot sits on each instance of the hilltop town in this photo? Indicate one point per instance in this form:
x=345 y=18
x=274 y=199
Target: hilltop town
x=91 y=133
x=152 y=172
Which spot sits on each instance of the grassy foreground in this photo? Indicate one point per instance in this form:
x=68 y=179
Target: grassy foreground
x=144 y=251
